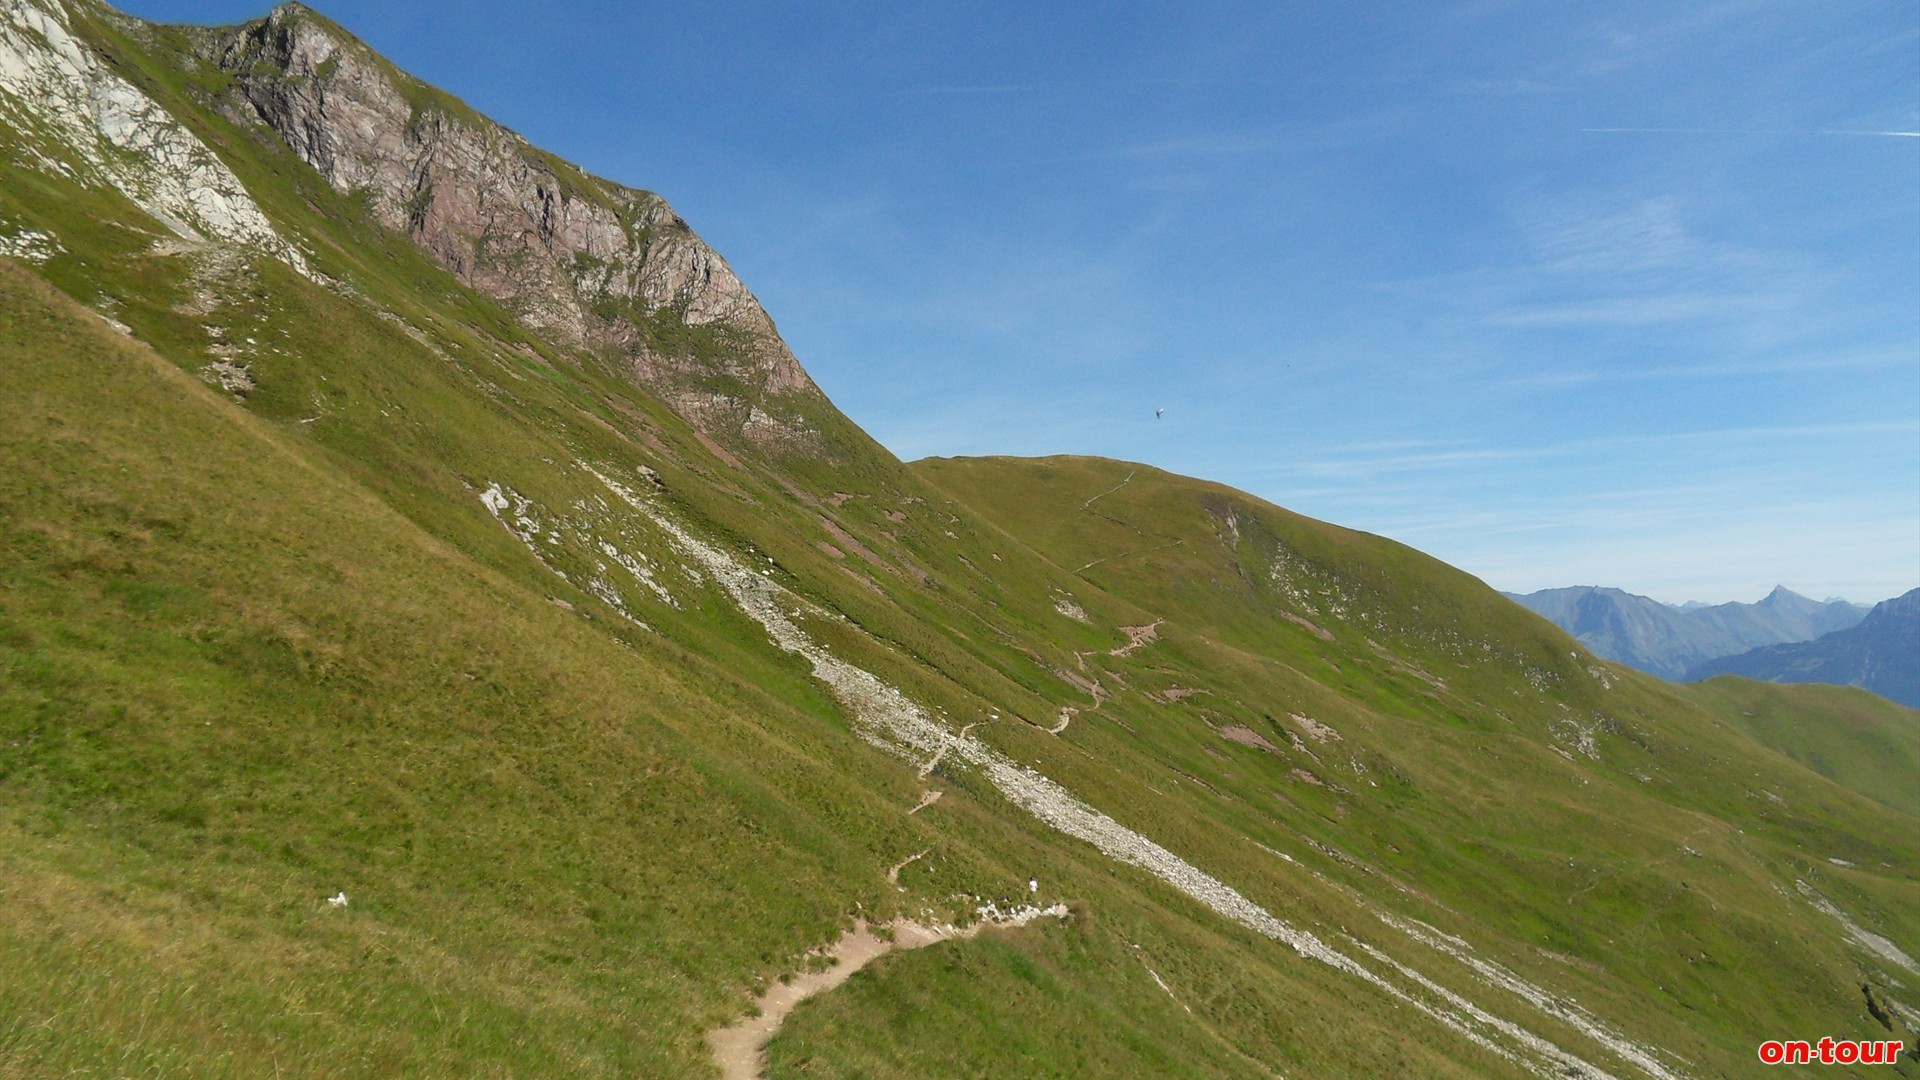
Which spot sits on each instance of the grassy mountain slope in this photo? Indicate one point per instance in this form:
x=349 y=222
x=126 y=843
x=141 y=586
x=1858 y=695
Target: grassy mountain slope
x=1459 y=732
x=1857 y=738
x=459 y=617
x=236 y=682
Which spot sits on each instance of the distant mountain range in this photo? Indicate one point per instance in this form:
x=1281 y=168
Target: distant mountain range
x=1881 y=653
x=1671 y=641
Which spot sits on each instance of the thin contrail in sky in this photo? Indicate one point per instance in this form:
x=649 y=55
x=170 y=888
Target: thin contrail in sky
x=1748 y=131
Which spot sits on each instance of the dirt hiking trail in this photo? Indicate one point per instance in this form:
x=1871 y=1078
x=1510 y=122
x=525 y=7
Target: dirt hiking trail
x=740 y=1049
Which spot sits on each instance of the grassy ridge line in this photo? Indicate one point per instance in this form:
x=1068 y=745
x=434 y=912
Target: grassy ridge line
x=1658 y=728
x=1418 y=639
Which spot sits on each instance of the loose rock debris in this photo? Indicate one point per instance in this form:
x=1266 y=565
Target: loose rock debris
x=1137 y=636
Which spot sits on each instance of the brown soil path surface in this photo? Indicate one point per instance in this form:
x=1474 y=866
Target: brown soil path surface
x=1137 y=636
x=740 y=1049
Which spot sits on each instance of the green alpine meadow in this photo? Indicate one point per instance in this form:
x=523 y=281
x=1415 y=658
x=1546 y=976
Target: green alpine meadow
x=444 y=631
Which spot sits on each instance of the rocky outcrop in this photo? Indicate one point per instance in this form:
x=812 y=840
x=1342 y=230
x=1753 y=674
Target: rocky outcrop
x=583 y=260
x=79 y=119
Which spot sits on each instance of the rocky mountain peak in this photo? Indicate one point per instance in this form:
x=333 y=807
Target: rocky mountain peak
x=1906 y=605
x=587 y=261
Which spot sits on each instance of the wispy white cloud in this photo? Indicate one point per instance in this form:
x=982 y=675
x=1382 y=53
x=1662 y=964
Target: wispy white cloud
x=1747 y=131
x=1374 y=465
x=1586 y=262
x=1063 y=85
x=992 y=88
x=1210 y=144
x=1513 y=87
x=1605 y=235
x=1632 y=311
x=1354 y=129
x=1819 y=361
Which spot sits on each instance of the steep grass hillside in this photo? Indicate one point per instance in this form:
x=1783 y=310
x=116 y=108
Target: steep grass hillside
x=333 y=568
x=1859 y=739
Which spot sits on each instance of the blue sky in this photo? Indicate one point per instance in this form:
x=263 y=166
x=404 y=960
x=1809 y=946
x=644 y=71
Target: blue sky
x=1563 y=293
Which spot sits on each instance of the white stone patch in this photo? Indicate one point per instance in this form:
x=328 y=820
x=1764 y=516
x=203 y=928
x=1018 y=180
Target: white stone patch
x=1275 y=852
x=512 y=510
x=52 y=84
x=494 y=499
x=520 y=516
x=1559 y=1062
x=1317 y=731
x=27 y=245
x=1495 y=975
x=233 y=377
x=610 y=596
x=641 y=573
x=1577 y=735
x=1859 y=935
x=1162 y=984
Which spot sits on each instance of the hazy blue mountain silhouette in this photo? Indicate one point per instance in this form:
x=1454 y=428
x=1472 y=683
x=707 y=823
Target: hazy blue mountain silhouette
x=1670 y=641
x=1881 y=653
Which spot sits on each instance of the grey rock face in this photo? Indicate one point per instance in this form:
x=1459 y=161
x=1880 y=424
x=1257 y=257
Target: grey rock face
x=583 y=260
